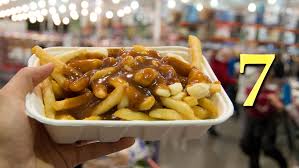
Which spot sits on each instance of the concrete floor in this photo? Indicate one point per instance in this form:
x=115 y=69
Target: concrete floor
x=215 y=152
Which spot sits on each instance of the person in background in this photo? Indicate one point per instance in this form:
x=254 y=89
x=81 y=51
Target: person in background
x=231 y=90
x=260 y=125
x=220 y=66
x=246 y=80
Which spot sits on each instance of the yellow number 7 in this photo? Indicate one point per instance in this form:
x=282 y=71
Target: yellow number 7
x=256 y=59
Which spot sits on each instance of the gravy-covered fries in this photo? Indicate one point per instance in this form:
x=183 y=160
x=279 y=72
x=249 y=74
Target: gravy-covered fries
x=128 y=84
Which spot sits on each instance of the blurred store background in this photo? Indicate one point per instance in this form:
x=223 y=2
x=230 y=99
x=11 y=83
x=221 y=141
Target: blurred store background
x=226 y=28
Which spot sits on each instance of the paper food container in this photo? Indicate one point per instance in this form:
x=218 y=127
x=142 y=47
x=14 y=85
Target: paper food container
x=70 y=131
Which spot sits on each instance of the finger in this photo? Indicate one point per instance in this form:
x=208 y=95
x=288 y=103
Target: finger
x=27 y=78
x=95 y=150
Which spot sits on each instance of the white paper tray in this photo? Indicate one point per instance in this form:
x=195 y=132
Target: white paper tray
x=70 y=131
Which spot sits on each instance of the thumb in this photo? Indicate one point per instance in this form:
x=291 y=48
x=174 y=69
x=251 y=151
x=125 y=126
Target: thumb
x=26 y=79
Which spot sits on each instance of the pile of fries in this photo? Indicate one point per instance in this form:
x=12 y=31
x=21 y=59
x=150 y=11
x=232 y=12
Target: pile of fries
x=135 y=84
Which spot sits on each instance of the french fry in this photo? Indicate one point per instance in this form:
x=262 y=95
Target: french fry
x=210 y=106
x=147 y=103
x=124 y=102
x=181 y=67
x=215 y=88
x=60 y=79
x=98 y=53
x=73 y=102
x=183 y=108
x=85 y=65
x=79 y=84
x=197 y=76
x=112 y=100
x=190 y=100
x=99 y=90
x=46 y=58
x=177 y=57
x=70 y=71
x=127 y=114
x=175 y=88
x=165 y=114
x=103 y=72
x=195 y=51
x=198 y=90
x=58 y=92
x=200 y=112
x=117 y=81
x=64 y=117
x=179 y=96
x=139 y=49
x=93 y=118
x=59 y=66
x=65 y=57
x=49 y=98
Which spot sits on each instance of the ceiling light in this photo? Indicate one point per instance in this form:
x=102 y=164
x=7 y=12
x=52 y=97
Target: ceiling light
x=52 y=2
x=127 y=10
x=99 y=2
x=93 y=17
x=134 y=5
x=14 y=18
x=199 y=7
x=41 y=4
x=251 y=7
x=109 y=14
x=185 y=1
x=44 y=12
x=19 y=9
x=84 y=12
x=40 y=18
x=62 y=9
x=65 y=20
x=271 y=2
x=115 y=1
x=32 y=19
x=25 y=8
x=57 y=22
x=74 y=15
x=98 y=10
x=171 y=4
x=33 y=6
x=5 y=1
x=84 y=4
x=120 y=13
x=72 y=6
x=214 y=3
x=52 y=10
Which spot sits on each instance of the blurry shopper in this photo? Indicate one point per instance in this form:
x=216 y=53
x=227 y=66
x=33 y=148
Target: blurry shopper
x=220 y=66
x=232 y=89
x=245 y=81
x=260 y=126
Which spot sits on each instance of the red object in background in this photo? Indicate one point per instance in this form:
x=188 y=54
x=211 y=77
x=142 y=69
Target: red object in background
x=10 y=67
x=7 y=70
x=152 y=163
x=262 y=107
x=221 y=71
